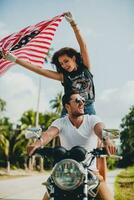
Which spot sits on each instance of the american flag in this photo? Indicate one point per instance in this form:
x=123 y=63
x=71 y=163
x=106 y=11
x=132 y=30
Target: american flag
x=31 y=43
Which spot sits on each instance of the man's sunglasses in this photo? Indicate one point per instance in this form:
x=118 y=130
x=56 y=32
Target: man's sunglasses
x=78 y=100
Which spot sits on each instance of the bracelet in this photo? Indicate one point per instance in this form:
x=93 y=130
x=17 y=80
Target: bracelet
x=73 y=24
x=104 y=141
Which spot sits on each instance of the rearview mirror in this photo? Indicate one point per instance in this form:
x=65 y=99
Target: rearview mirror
x=33 y=133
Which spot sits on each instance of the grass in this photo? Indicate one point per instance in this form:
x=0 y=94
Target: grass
x=124 y=185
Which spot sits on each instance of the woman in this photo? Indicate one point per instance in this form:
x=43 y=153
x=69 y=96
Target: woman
x=73 y=69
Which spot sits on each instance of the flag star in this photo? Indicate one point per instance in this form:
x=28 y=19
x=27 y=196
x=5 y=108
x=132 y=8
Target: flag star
x=23 y=41
x=29 y=38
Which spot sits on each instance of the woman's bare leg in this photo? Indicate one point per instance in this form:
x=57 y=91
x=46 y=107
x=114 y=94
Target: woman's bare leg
x=46 y=196
x=104 y=191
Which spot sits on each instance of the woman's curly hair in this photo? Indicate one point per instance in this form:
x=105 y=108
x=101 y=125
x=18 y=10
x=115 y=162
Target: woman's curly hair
x=65 y=51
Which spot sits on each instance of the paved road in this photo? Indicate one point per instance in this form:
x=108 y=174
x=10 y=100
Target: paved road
x=26 y=188
x=30 y=188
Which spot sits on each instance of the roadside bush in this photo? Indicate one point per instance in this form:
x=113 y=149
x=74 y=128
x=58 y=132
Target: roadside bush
x=124 y=184
x=112 y=163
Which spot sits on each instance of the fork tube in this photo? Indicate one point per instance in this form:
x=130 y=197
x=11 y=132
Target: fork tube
x=52 y=193
x=85 y=188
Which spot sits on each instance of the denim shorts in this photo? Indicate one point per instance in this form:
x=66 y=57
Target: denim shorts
x=89 y=109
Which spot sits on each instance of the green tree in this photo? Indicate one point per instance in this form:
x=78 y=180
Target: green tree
x=11 y=141
x=56 y=103
x=5 y=127
x=29 y=117
x=12 y=144
x=28 y=120
x=49 y=117
x=127 y=138
x=2 y=105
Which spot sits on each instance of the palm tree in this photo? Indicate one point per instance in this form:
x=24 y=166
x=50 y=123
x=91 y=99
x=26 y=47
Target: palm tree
x=5 y=127
x=12 y=140
x=2 y=105
x=12 y=143
x=4 y=130
x=28 y=120
x=57 y=103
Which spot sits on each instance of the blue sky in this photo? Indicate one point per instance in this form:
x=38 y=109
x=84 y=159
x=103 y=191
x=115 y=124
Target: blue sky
x=108 y=28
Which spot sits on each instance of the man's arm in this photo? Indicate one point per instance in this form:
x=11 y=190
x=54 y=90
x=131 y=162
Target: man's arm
x=110 y=147
x=46 y=137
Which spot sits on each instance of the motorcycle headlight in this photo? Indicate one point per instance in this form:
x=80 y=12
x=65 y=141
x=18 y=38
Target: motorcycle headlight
x=67 y=174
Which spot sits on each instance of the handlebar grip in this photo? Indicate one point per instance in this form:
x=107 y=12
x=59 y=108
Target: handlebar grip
x=102 y=153
x=116 y=157
x=112 y=156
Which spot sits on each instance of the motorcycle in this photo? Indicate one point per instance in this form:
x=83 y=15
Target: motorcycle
x=71 y=177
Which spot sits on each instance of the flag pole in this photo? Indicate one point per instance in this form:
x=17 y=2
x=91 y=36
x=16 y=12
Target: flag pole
x=37 y=120
x=38 y=104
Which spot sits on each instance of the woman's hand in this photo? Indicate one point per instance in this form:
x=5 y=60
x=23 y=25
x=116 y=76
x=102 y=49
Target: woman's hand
x=69 y=17
x=8 y=56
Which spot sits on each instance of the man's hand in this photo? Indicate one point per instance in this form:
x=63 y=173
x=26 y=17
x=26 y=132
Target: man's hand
x=31 y=148
x=110 y=147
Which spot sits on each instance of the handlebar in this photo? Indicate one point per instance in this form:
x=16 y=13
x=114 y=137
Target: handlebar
x=101 y=153
x=112 y=156
x=76 y=152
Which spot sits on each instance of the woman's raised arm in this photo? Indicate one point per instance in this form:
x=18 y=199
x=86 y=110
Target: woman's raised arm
x=81 y=42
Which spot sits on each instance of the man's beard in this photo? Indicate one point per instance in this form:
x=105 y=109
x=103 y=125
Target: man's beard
x=77 y=114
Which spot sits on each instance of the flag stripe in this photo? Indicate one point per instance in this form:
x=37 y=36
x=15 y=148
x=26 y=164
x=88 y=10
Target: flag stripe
x=34 y=50
x=38 y=46
x=30 y=55
x=32 y=60
x=31 y=43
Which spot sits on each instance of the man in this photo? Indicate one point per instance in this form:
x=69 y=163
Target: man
x=77 y=129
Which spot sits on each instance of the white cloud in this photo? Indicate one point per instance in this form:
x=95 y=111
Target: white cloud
x=113 y=104
x=20 y=91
